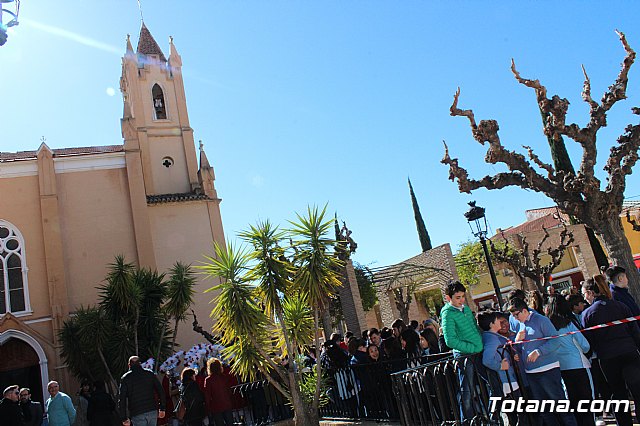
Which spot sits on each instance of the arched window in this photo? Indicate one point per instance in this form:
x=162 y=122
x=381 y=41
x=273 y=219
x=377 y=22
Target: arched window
x=159 y=106
x=14 y=295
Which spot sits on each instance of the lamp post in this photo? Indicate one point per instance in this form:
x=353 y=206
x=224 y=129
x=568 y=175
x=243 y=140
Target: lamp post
x=478 y=224
x=13 y=18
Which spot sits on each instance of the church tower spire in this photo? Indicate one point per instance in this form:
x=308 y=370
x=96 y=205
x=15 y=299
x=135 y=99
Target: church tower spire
x=155 y=122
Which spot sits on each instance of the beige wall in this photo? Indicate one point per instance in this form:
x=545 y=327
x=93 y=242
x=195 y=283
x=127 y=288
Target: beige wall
x=182 y=232
x=20 y=205
x=96 y=225
x=174 y=179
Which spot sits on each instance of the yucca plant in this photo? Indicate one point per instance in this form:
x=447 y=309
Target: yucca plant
x=275 y=290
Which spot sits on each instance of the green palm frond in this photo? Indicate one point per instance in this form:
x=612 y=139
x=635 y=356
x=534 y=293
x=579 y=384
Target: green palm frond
x=298 y=318
x=93 y=327
x=236 y=312
x=246 y=361
x=317 y=267
x=271 y=268
x=118 y=295
x=180 y=291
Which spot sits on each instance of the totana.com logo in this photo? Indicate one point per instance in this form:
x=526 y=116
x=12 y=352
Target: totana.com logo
x=561 y=406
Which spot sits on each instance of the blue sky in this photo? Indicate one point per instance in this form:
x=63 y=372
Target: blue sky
x=303 y=103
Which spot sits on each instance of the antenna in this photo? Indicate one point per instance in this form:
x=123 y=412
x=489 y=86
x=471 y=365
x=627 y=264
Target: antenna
x=140 y=9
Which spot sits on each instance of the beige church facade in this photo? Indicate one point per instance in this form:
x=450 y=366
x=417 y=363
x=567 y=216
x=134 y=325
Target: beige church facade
x=66 y=213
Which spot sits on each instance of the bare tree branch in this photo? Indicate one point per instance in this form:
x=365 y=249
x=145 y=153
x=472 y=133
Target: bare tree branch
x=487 y=131
x=540 y=163
x=541 y=91
x=632 y=221
x=528 y=264
x=467 y=185
x=455 y=111
x=586 y=91
x=621 y=161
x=618 y=90
x=577 y=194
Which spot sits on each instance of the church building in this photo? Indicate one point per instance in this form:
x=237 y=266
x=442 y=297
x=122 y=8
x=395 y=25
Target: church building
x=66 y=213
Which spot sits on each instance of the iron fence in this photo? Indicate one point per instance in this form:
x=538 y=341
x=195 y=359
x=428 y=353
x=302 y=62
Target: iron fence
x=431 y=394
x=416 y=392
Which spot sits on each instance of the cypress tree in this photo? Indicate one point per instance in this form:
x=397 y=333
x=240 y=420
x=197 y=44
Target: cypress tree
x=425 y=241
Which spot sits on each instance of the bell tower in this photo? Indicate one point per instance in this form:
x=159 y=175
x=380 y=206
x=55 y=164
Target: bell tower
x=155 y=123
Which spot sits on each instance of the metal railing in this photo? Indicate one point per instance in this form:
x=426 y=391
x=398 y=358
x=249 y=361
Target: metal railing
x=417 y=392
x=259 y=404
x=431 y=394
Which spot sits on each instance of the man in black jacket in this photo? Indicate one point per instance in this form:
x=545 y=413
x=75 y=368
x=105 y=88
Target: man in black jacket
x=10 y=414
x=139 y=391
x=31 y=410
x=616 y=346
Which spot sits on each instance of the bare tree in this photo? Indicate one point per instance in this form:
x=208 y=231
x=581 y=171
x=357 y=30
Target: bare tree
x=403 y=303
x=578 y=194
x=526 y=263
x=632 y=221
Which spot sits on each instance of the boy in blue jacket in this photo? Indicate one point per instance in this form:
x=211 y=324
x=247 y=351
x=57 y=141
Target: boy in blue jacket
x=498 y=359
x=541 y=363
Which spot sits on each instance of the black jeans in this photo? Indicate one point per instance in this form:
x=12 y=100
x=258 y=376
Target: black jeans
x=578 y=388
x=620 y=371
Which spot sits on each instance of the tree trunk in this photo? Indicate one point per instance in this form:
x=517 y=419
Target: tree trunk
x=113 y=385
x=327 y=324
x=135 y=333
x=316 y=397
x=619 y=251
x=156 y=365
x=302 y=414
x=175 y=335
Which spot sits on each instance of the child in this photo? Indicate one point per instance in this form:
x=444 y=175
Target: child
x=498 y=359
x=462 y=335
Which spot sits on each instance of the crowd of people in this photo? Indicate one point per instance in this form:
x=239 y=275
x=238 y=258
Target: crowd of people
x=143 y=399
x=533 y=347
x=502 y=346
x=554 y=359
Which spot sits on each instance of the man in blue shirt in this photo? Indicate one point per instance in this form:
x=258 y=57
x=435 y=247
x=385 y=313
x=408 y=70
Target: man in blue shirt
x=59 y=408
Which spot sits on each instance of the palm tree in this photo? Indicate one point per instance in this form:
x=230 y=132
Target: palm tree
x=317 y=270
x=179 y=298
x=288 y=308
x=129 y=319
x=120 y=296
x=264 y=295
x=239 y=317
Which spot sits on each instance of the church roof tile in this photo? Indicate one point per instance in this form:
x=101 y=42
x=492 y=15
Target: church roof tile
x=61 y=152
x=147 y=44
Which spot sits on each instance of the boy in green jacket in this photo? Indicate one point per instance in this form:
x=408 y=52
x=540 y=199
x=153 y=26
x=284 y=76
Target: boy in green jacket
x=461 y=334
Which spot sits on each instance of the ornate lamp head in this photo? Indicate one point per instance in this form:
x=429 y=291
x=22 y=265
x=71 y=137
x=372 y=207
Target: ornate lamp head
x=8 y=17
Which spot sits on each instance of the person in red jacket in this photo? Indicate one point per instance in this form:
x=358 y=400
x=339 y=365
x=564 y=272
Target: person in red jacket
x=218 y=397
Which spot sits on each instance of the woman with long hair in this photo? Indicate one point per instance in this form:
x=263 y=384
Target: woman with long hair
x=192 y=397
x=429 y=342
x=219 y=401
x=373 y=353
x=574 y=365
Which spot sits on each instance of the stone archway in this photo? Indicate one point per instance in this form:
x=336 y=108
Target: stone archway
x=432 y=269
x=24 y=363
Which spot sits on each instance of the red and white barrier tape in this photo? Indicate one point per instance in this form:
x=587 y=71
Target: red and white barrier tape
x=595 y=327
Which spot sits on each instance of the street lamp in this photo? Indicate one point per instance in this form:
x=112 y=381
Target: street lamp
x=478 y=224
x=13 y=18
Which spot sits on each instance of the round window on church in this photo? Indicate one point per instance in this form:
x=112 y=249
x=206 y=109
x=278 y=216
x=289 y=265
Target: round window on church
x=167 y=162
